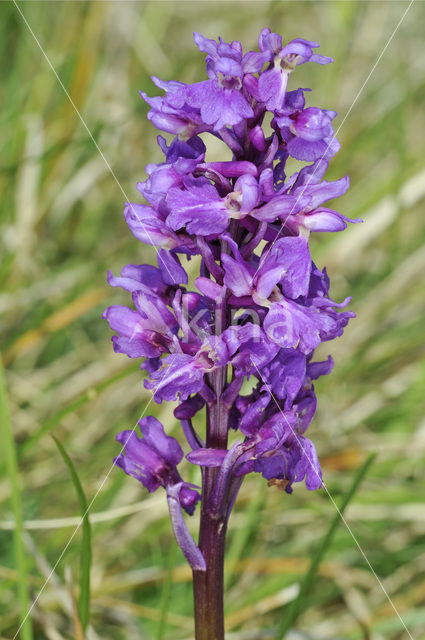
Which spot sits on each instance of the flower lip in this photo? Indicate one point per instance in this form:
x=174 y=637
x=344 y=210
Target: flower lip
x=234 y=83
x=233 y=201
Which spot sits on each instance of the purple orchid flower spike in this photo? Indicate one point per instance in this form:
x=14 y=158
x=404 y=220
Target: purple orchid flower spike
x=254 y=309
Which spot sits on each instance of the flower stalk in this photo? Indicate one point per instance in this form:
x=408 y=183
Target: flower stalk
x=240 y=346
x=208 y=585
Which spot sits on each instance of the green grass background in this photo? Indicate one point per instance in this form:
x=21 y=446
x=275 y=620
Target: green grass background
x=62 y=228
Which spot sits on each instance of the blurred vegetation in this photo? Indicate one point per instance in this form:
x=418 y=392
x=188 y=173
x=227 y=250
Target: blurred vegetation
x=62 y=228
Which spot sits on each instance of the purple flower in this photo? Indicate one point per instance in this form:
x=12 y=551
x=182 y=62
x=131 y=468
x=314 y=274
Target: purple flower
x=180 y=375
x=200 y=208
x=184 y=121
x=283 y=60
x=220 y=99
x=276 y=450
x=285 y=374
x=164 y=176
x=301 y=206
x=292 y=464
x=153 y=460
x=286 y=262
x=139 y=277
x=309 y=134
x=148 y=226
x=135 y=337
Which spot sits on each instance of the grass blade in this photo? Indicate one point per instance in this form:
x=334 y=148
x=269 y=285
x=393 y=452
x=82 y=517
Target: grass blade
x=84 y=597
x=244 y=535
x=75 y=404
x=9 y=450
x=292 y=610
x=166 y=591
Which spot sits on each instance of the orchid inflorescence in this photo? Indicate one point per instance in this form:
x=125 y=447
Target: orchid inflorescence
x=242 y=343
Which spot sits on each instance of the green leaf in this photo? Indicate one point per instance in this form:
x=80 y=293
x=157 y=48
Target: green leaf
x=85 y=564
x=293 y=608
x=9 y=454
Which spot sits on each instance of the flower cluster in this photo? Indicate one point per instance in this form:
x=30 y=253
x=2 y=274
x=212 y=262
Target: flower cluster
x=242 y=343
